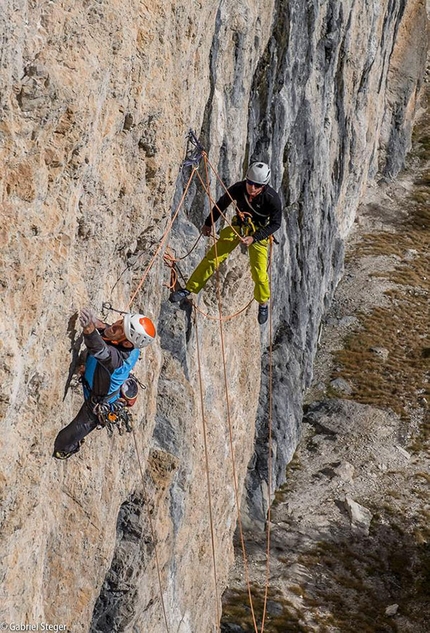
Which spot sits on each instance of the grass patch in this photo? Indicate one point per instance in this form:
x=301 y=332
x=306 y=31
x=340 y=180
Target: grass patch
x=281 y=615
x=401 y=328
x=425 y=476
x=282 y=491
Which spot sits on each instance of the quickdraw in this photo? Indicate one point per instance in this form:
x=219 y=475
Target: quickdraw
x=245 y=224
x=106 y=306
x=114 y=415
x=194 y=152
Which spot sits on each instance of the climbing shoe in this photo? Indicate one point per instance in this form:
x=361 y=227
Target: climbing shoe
x=67 y=454
x=179 y=295
x=263 y=313
x=63 y=454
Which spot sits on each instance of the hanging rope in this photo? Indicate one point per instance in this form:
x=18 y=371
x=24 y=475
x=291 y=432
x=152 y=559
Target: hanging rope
x=230 y=428
x=193 y=159
x=218 y=177
x=213 y=203
x=208 y=483
x=224 y=319
x=171 y=261
x=232 y=453
x=179 y=259
x=221 y=319
x=151 y=263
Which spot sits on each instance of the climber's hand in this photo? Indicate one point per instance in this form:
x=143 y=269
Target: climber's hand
x=86 y=318
x=206 y=230
x=248 y=240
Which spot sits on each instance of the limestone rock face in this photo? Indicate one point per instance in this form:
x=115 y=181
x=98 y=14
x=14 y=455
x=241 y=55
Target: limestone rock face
x=97 y=97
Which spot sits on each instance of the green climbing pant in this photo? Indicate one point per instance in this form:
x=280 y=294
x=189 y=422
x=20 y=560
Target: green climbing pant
x=228 y=240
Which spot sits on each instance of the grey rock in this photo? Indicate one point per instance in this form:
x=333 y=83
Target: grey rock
x=403 y=452
x=360 y=516
x=345 y=471
x=341 y=385
x=347 y=321
x=382 y=352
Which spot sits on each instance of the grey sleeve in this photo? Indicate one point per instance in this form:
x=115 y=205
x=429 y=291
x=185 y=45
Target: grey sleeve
x=106 y=355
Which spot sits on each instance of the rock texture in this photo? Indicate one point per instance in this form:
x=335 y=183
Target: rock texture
x=328 y=129
x=96 y=100
x=349 y=527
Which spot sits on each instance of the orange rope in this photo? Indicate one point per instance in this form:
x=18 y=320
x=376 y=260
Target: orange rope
x=230 y=427
x=164 y=237
x=224 y=319
x=233 y=461
x=219 y=179
x=268 y=543
x=171 y=261
x=208 y=483
x=213 y=204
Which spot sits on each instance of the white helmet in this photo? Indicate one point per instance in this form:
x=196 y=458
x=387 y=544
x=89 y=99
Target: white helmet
x=139 y=329
x=258 y=173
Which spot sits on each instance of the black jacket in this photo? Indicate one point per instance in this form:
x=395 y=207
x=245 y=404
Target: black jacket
x=265 y=209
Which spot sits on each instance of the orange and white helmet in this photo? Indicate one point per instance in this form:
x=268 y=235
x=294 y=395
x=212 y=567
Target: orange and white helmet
x=139 y=329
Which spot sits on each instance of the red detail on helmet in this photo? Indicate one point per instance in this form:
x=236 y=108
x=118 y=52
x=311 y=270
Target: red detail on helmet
x=148 y=326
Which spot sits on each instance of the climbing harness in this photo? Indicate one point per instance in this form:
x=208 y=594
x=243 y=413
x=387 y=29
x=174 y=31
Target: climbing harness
x=113 y=415
x=117 y=414
x=113 y=409
x=243 y=220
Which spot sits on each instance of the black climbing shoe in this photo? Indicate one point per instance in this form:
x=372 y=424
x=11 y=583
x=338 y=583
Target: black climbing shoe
x=63 y=454
x=67 y=454
x=263 y=313
x=179 y=295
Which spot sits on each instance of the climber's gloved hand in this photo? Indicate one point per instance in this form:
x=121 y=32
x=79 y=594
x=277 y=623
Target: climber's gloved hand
x=86 y=318
x=206 y=230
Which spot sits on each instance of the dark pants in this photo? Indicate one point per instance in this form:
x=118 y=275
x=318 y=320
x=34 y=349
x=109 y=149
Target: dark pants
x=68 y=439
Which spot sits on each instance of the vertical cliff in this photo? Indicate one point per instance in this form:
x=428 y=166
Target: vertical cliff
x=330 y=108
x=96 y=100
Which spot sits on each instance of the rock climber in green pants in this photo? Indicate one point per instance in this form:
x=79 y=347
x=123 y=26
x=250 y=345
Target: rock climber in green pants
x=258 y=215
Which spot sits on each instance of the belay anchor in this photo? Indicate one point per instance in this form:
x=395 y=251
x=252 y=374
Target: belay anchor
x=194 y=152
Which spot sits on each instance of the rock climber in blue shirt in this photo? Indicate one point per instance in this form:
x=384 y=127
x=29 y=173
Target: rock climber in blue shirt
x=113 y=350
